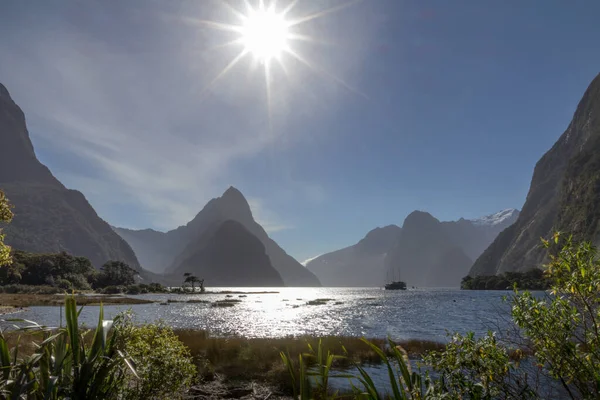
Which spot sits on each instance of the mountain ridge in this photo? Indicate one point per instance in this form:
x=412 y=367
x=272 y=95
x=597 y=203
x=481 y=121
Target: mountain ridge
x=563 y=195
x=178 y=244
x=49 y=217
x=356 y=266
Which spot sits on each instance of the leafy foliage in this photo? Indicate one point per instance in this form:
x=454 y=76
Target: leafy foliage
x=163 y=363
x=6 y=216
x=48 y=269
x=94 y=364
x=478 y=369
x=564 y=328
x=115 y=273
x=66 y=364
x=64 y=271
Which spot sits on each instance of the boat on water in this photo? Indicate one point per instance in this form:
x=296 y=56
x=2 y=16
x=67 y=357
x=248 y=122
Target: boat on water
x=397 y=285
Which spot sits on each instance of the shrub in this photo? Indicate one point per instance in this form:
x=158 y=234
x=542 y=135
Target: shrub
x=134 y=289
x=113 y=290
x=78 y=281
x=564 y=328
x=156 y=288
x=163 y=363
x=479 y=368
x=63 y=284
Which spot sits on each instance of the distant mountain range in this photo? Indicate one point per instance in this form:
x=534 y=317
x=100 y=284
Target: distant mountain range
x=424 y=252
x=357 y=265
x=564 y=195
x=48 y=216
x=226 y=246
x=185 y=249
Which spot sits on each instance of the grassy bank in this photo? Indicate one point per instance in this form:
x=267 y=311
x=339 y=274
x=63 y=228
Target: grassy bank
x=28 y=300
x=259 y=359
x=243 y=360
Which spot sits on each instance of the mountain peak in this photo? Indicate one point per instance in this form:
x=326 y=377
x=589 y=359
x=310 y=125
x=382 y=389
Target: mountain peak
x=4 y=92
x=497 y=218
x=380 y=239
x=419 y=218
x=233 y=192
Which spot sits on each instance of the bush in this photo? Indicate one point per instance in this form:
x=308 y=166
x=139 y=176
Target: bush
x=78 y=281
x=63 y=284
x=134 y=289
x=156 y=288
x=482 y=368
x=564 y=328
x=113 y=290
x=163 y=363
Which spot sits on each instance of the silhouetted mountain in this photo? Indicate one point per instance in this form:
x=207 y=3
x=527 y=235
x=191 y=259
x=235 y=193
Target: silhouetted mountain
x=180 y=244
x=227 y=254
x=564 y=195
x=363 y=264
x=48 y=217
x=426 y=255
x=153 y=249
x=359 y=265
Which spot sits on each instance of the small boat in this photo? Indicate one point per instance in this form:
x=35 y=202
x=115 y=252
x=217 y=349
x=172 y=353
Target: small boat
x=397 y=285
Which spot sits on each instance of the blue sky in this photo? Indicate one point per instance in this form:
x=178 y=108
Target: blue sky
x=442 y=106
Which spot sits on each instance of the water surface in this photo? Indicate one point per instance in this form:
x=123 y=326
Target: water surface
x=371 y=312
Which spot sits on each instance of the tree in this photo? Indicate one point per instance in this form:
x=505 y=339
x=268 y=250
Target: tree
x=6 y=215
x=192 y=280
x=116 y=273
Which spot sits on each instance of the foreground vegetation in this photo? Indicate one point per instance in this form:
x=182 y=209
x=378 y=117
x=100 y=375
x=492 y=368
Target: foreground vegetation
x=117 y=360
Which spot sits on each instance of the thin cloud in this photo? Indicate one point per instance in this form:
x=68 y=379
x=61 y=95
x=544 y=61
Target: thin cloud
x=119 y=92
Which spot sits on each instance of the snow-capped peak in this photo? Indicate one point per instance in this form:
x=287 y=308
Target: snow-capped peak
x=504 y=216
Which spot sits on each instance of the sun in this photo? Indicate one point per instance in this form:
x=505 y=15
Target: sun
x=265 y=33
x=269 y=33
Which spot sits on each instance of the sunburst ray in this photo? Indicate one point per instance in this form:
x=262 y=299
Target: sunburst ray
x=323 y=13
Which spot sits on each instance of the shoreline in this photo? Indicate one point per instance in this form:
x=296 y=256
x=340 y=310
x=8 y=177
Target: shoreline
x=23 y=300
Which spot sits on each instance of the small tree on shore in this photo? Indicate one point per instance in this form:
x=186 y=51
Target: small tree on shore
x=6 y=215
x=192 y=280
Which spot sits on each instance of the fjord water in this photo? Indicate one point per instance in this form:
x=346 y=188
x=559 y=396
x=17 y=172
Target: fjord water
x=426 y=314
